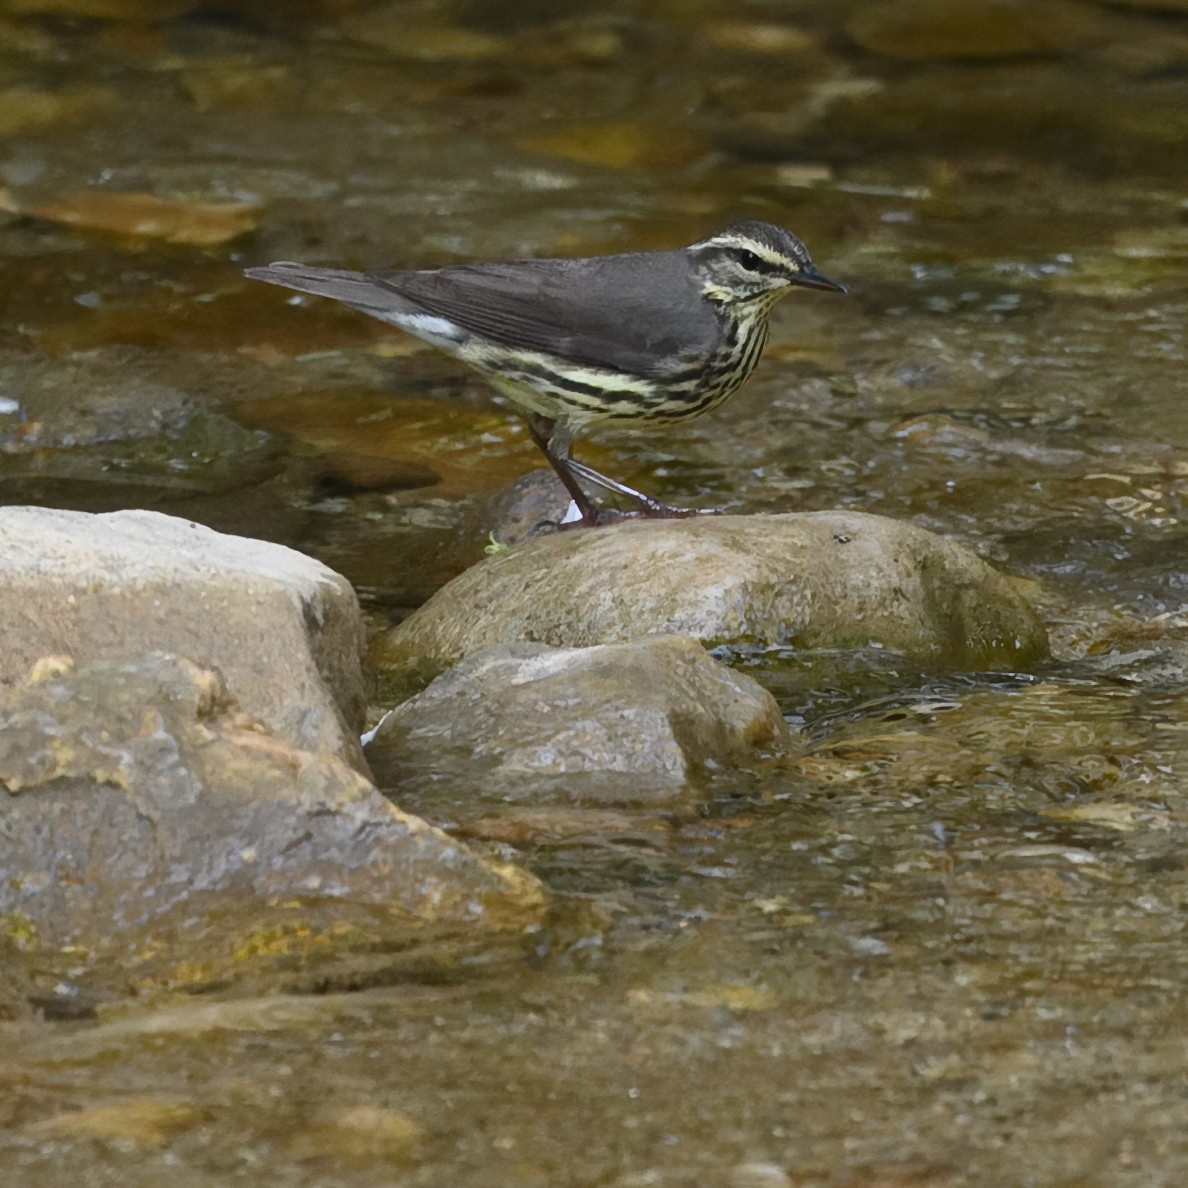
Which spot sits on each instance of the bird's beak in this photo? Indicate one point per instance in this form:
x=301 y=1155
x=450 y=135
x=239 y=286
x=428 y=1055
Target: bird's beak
x=810 y=278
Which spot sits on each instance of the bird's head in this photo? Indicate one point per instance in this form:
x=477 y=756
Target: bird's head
x=754 y=260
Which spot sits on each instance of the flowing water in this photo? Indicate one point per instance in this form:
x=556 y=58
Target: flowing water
x=943 y=945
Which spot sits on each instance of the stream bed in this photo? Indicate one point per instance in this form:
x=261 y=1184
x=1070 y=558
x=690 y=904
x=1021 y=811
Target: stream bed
x=942 y=945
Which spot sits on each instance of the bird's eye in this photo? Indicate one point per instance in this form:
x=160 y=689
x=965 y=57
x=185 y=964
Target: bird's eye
x=750 y=260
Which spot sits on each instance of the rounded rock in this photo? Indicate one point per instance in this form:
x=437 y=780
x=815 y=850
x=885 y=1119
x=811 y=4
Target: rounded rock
x=811 y=580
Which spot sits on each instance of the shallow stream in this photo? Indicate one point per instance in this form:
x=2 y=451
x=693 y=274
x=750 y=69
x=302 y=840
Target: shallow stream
x=942 y=946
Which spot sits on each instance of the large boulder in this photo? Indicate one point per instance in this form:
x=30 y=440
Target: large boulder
x=284 y=631
x=152 y=836
x=632 y=723
x=821 y=579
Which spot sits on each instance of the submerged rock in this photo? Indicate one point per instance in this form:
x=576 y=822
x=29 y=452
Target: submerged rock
x=622 y=723
x=924 y=29
x=148 y=216
x=150 y=836
x=821 y=580
x=283 y=630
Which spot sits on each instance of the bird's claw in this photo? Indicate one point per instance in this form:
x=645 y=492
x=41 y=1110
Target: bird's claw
x=603 y=517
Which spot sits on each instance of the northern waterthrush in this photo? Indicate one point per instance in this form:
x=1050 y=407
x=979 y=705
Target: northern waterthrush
x=639 y=338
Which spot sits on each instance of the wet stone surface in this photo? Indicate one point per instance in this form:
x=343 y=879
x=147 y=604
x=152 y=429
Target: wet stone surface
x=282 y=630
x=941 y=943
x=820 y=580
x=151 y=837
x=646 y=721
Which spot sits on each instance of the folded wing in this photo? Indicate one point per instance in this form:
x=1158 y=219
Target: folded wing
x=640 y=314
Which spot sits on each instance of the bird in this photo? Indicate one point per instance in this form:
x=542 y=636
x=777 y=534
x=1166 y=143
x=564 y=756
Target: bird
x=636 y=338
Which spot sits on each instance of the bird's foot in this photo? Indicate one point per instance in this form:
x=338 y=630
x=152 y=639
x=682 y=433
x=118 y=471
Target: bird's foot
x=603 y=517
x=599 y=517
x=647 y=507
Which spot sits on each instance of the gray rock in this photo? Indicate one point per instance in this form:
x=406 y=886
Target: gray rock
x=150 y=836
x=517 y=512
x=284 y=631
x=95 y=403
x=105 y=432
x=621 y=723
x=823 y=579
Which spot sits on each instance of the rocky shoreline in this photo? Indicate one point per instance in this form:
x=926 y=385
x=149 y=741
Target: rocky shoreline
x=186 y=801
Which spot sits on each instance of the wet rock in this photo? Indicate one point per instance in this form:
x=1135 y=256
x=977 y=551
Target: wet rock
x=824 y=579
x=112 y=450
x=283 y=630
x=174 y=220
x=95 y=403
x=519 y=510
x=619 y=723
x=927 y=29
x=152 y=836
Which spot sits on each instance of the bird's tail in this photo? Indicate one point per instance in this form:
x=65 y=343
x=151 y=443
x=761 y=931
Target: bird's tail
x=355 y=288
